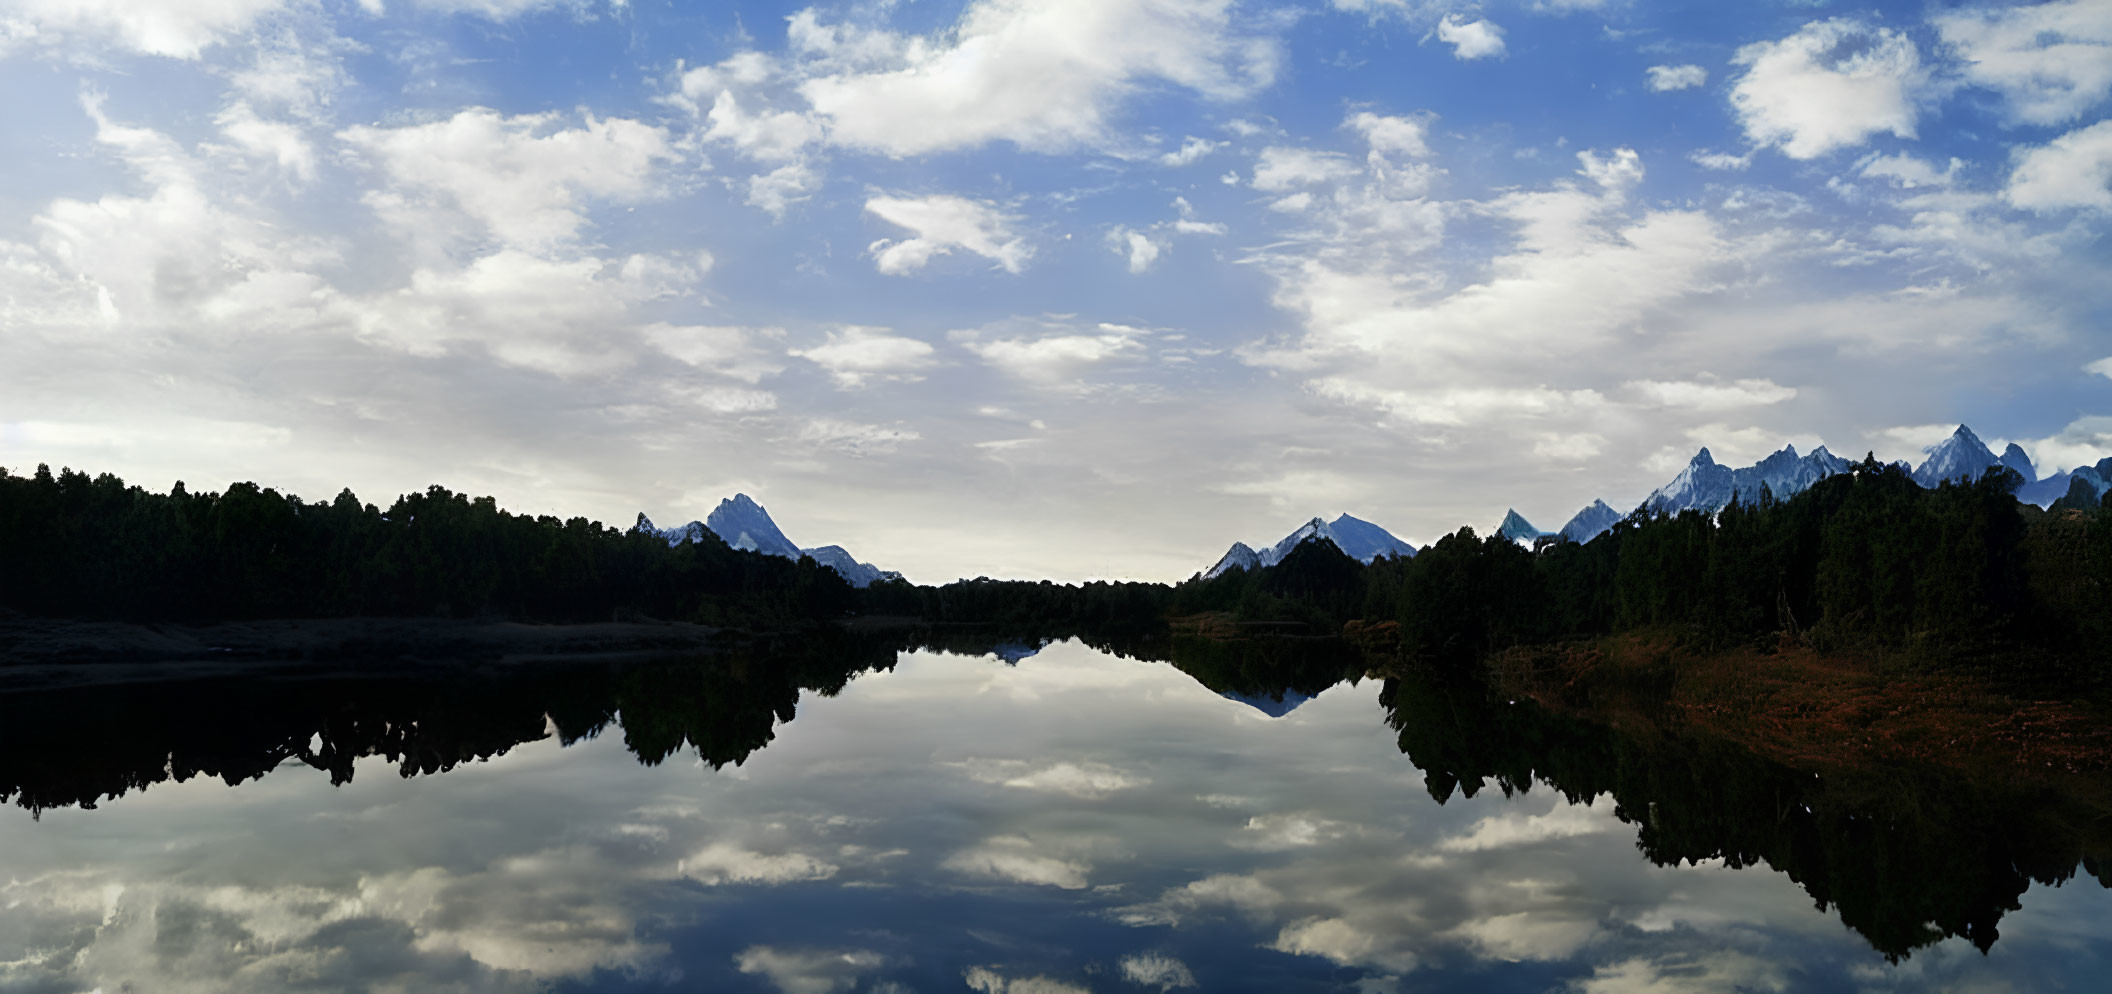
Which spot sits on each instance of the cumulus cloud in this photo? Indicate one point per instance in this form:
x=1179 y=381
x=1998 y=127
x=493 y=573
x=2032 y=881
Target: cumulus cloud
x=1682 y=77
x=1056 y=359
x=735 y=353
x=1478 y=39
x=2102 y=367
x=180 y=29
x=2074 y=170
x=1140 y=248
x=1831 y=85
x=1711 y=395
x=940 y=224
x=2050 y=61
x=1279 y=168
x=1046 y=75
x=856 y=355
x=1192 y=149
x=1389 y=135
x=520 y=179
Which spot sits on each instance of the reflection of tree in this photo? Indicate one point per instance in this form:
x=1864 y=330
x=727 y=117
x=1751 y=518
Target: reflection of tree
x=77 y=746
x=1906 y=859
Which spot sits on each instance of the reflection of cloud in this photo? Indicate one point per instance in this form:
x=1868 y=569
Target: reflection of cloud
x=1078 y=779
x=1014 y=858
x=809 y=971
x=1339 y=941
x=725 y=863
x=1156 y=970
x=1529 y=935
x=1721 y=971
x=989 y=981
x=1288 y=831
x=1515 y=828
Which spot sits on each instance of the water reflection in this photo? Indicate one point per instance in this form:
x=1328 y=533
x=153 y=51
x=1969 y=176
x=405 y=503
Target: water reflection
x=935 y=821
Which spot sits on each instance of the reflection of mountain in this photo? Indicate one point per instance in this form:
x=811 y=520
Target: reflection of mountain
x=1272 y=674
x=1905 y=859
x=1275 y=706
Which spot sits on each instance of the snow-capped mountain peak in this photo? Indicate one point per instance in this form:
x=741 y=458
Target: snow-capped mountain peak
x=742 y=523
x=1961 y=457
x=1591 y=522
x=1359 y=539
x=1519 y=530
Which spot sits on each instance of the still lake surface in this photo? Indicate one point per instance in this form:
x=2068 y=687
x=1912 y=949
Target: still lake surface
x=1065 y=820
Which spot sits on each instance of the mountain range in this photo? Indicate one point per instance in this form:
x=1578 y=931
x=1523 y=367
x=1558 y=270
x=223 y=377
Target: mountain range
x=1361 y=539
x=1707 y=485
x=742 y=523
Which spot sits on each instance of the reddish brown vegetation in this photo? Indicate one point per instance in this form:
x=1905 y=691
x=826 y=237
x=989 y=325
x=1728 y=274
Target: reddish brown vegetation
x=1823 y=712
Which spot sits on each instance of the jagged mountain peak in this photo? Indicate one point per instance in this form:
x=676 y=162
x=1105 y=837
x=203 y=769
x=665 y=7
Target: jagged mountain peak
x=1702 y=458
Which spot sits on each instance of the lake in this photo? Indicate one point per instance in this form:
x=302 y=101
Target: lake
x=1029 y=820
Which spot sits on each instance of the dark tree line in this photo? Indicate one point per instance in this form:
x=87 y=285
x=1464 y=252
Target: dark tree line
x=1866 y=559
x=76 y=546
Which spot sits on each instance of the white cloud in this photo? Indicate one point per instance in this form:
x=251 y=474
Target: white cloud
x=519 y=178
x=1017 y=859
x=729 y=352
x=2081 y=442
x=1831 y=85
x=1046 y=75
x=1156 y=970
x=1720 y=161
x=2050 y=61
x=2102 y=367
x=1082 y=779
x=809 y=971
x=1711 y=395
x=725 y=863
x=1281 y=168
x=1684 y=77
x=941 y=223
x=855 y=439
x=1617 y=171
x=1138 y=247
x=181 y=29
x=1057 y=359
x=1470 y=39
x=1392 y=135
x=2074 y=170
x=856 y=355
x=1192 y=149
x=1908 y=172
x=276 y=141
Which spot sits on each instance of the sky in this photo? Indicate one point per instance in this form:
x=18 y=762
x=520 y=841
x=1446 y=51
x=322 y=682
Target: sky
x=1045 y=288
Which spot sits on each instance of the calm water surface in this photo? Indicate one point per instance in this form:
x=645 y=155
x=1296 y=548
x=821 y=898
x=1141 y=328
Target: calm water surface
x=1073 y=821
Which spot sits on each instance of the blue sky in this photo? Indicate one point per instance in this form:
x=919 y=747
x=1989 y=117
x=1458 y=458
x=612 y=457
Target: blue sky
x=1029 y=288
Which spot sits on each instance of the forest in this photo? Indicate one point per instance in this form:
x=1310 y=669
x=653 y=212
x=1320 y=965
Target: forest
x=1867 y=560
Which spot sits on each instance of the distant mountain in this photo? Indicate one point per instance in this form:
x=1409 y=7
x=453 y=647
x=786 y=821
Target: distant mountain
x=1517 y=529
x=2055 y=487
x=1591 y=522
x=2014 y=458
x=1707 y=485
x=1360 y=539
x=743 y=524
x=1961 y=457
